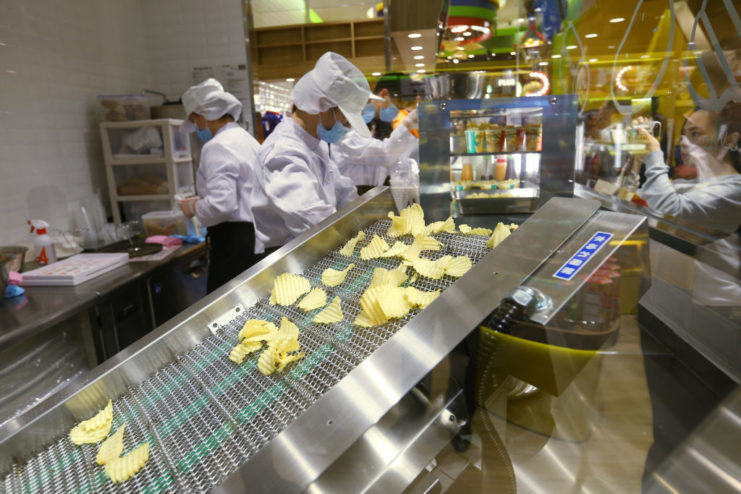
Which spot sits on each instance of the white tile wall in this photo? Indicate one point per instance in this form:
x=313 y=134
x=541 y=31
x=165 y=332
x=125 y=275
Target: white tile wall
x=56 y=57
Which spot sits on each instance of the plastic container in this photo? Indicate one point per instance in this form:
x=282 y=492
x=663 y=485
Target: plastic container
x=164 y=223
x=124 y=107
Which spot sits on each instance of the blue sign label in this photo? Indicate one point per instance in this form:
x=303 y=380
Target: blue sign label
x=578 y=260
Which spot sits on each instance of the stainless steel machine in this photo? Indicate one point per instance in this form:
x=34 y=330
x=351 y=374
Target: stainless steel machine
x=350 y=416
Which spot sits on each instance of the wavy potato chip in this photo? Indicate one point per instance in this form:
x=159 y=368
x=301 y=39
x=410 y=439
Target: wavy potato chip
x=513 y=226
x=420 y=298
x=287 y=288
x=94 y=429
x=383 y=276
x=348 y=249
x=381 y=303
x=288 y=329
x=331 y=313
x=257 y=330
x=242 y=349
x=334 y=277
x=463 y=228
x=374 y=249
x=441 y=226
x=393 y=303
x=396 y=250
x=99 y=419
x=284 y=361
x=431 y=269
x=363 y=320
x=124 y=467
x=111 y=448
x=316 y=298
x=500 y=233
x=411 y=221
x=458 y=266
x=266 y=363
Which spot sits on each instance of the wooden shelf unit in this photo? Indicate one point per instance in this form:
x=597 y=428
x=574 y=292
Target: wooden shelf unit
x=291 y=51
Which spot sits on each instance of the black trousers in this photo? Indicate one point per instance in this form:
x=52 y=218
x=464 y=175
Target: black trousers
x=231 y=247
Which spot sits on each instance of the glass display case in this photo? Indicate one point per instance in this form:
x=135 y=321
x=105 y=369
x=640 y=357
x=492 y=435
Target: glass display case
x=503 y=155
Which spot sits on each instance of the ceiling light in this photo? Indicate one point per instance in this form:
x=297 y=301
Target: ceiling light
x=591 y=35
x=591 y=60
x=416 y=48
x=471 y=55
x=419 y=65
x=542 y=63
x=644 y=56
x=455 y=60
x=414 y=35
x=467 y=33
x=460 y=48
x=611 y=47
x=421 y=71
x=376 y=74
x=419 y=57
x=556 y=56
x=290 y=79
x=512 y=53
x=459 y=29
x=615 y=20
x=459 y=38
x=520 y=20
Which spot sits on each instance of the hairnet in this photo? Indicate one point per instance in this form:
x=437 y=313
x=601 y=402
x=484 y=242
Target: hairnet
x=209 y=100
x=334 y=81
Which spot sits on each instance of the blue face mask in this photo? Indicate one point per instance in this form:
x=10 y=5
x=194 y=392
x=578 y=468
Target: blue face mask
x=369 y=112
x=332 y=135
x=388 y=114
x=205 y=135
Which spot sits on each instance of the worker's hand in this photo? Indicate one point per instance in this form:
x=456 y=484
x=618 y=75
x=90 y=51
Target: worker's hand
x=188 y=206
x=651 y=142
x=412 y=120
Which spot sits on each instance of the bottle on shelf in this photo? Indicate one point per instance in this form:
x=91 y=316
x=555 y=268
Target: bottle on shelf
x=42 y=242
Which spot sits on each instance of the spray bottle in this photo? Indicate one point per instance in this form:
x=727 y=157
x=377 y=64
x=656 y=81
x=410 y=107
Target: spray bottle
x=43 y=244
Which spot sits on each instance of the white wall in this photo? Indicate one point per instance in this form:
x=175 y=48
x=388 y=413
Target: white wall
x=56 y=57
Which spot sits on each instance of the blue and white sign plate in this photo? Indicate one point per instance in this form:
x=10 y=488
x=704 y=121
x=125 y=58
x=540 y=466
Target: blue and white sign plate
x=584 y=254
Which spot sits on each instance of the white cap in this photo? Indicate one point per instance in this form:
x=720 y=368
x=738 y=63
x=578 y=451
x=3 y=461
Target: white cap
x=334 y=81
x=209 y=100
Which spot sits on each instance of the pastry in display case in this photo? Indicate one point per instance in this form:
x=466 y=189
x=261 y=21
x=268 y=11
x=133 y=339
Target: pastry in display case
x=498 y=158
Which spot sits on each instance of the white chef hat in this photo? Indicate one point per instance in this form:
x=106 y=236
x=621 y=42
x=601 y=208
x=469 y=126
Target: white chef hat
x=209 y=100
x=334 y=81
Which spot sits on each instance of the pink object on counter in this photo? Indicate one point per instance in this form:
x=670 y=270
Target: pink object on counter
x=164 y=240
x=15 y=278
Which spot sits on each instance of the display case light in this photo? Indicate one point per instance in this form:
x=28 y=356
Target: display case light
x=414 y=35
x=459 y=29
x=591 y=35
x=419 y=57
x=459 y=38
x=417 y=48
x=556 y=56
x=571 y=47
x=616 y=20
x=376 y=74
x=419 y=64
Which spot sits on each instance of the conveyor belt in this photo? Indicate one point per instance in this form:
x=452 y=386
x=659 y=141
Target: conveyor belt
x=204 y=416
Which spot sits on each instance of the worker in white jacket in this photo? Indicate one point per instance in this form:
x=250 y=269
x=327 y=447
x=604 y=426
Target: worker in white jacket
x=224 y=180
x=298 y=183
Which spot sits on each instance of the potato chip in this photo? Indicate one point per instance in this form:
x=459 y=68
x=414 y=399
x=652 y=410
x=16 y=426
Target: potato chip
x=348 y=249
x=242 y=349
x=411 y=221
x=331 y=313
x=363 y=321
x=284 y=361
x=500 y=233
x=374 y=249
x=441 y=226
x=333 y=277
x=383 y=276
x=370 y=304
x=381 y=303
x=266 y=363
x=111 y=448
x=257 y=330
x=458 y=266
x=430 y=269
x=396 y=250
x=316 y=298
x=287 y=288
x=104 y=416
x=124 y=467
x=513 y=226
x=420 y=298
x=393 y=302
x=288 y=329
x=463 y=228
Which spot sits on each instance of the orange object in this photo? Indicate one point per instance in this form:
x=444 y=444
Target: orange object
x=467 y=173
x=501 y=168
x=400 y=118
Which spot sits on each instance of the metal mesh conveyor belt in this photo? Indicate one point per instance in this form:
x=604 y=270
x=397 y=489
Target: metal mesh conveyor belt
x=204 y=416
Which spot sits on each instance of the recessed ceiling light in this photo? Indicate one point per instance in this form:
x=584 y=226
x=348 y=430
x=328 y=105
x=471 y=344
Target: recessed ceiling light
x=459 y=38
x=290 y=79
x=416 y=48
x=556 y=56
x=591 y=60
x=455 y=60
x=414 y=35
x=471 y=55
x=419 y=57
x=611 y=47
x=461 y=48
x=512 y=53
x=615 y=20
x=542 y=63
x=571 y=47
x=467 y=33
x=520 y=20
x=591 y=35
x=644 y=56
x=376 y=74
x=458 y=29
x=421 y=71
x=419 y=65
